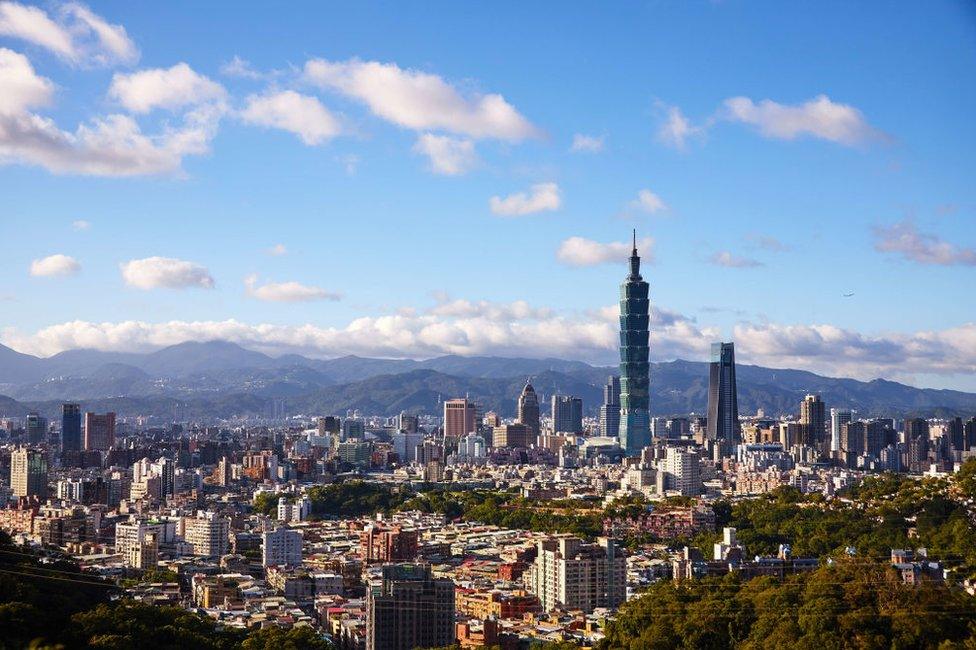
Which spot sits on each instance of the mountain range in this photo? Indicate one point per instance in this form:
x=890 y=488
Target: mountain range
x=218 y=379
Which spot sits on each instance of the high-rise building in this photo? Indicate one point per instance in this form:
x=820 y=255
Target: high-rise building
x=610 y=409
x=681 y=472
x=569 y=574
x=838 y=418
x=813 y=422
x=528 y=408
x=405 y=445
x=99 y=431
x=513 y=435
x=36 y=427
x=970 y=431
x=460 y=417
x=957 y=434
x=353 y=429
x=28 y=473
x=723 y=402
x=328 y=425
x=567 y=414
x=208 y=534
x=281 y=547
x=917 y=429
x=635 y=426
x=853 y=441
x=70 y=427
x=382 y=543
x=408 y=608
x=407 y=423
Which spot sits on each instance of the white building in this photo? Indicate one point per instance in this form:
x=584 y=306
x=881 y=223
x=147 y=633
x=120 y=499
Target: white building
x=207 y=534
x=570 y=574
x=297 y=511
x=405 y=445
x=281 y=547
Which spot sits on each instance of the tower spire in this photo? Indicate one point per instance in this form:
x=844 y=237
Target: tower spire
x=635 y=241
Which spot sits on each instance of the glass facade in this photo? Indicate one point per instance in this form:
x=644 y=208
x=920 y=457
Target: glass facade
x=635 y=429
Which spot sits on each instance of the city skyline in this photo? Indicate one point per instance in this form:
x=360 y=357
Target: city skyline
x=204 y=197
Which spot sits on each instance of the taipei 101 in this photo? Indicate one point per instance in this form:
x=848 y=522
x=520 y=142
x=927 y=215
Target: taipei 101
x=487 y=326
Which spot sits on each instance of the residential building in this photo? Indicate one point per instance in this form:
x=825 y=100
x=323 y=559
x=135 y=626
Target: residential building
x=28 y=473
x=569 y=574
x=281 y=547
x=408 y=608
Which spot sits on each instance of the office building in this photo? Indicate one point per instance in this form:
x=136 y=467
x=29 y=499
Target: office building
x=99 y=431
x=460 y=418
x=569 y=574
x=36 y=428
x=610 y=409
x=408 y=608
x=513 y=435
x=70 y=427
x=722 y=423
x=838 y=418
x=353 y=429
x=405 y=445
x=813 y=423
x=328 y=425
x=635 y=430
x=28 y=473
x=281 y=547
x=528 y=408
x=567 y=414
x=408 y=423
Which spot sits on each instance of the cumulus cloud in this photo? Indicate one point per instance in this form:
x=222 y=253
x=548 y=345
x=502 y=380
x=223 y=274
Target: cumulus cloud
x=286 y=291
x=75 y=34
x=113 y=145
x=516 y=329
x=165 y=272
x=904 y=239
x=302 y=115
x=420 y=100
x=587 y=143
x=819 y=118
x=649 y=202
x=54 y=266
x=448 y=156
x=169 y=88
x=730 y=261
x=81 y=224
x=579 y=251
x=241 y=68
x=540 y=198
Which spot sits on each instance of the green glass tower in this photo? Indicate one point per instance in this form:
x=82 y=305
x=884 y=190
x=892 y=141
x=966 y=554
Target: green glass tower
x=635 y=430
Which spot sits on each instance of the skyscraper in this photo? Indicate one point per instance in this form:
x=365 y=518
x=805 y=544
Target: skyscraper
x=838 y=418
x=99 y=431
x=567 y=414
x=70 y=427
x=723 y=402
x=28 y=473
x=528 y=408
x=635 y=426
x=813 y=422
x=610 y=410
x=459 y=418
x=36 y=426
x=409 y=608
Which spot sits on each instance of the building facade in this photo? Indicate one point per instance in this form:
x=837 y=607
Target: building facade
x=528 y=408
x=408 y=608
x=723 y=403
x=635 y=431
x=569 y=574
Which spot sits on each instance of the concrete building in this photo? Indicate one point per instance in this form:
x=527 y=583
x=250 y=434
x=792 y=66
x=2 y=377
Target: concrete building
x=513 y=435
x=813 y=423
x=460 y=418
x=408 y=608
x=569 y=574
x=99 y=431
x=610 y=409
x=28 y=473
x=208 y=534
x=281 y=547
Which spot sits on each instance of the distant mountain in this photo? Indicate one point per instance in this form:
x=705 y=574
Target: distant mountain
x=219 y=380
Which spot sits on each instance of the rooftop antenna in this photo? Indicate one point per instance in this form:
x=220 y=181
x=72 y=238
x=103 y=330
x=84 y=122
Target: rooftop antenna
x=635 y=240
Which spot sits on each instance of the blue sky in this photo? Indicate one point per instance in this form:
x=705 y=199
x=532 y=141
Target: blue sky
x=787 y=155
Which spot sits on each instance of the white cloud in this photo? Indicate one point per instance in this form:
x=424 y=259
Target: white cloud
x=449 y=156
x=904 y=239
x=819 y=117
x=241 y=68
x=286 y=291
x=20 y=87
x=648 y=201
x=79 y=36
x=420 y=100
x=770 y=243
x=169 y=88
x=587 y=143
x=676 y=129
x=54 y=266
x=165 y=272
x=517 y=329
x=113 y=145
x=278 y=250
x=302 y=115
x=541 y=197
x=579 y=251
x=81 y=224
x=730 y=261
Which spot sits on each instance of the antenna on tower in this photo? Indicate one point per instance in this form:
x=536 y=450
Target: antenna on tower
x=635 y=240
